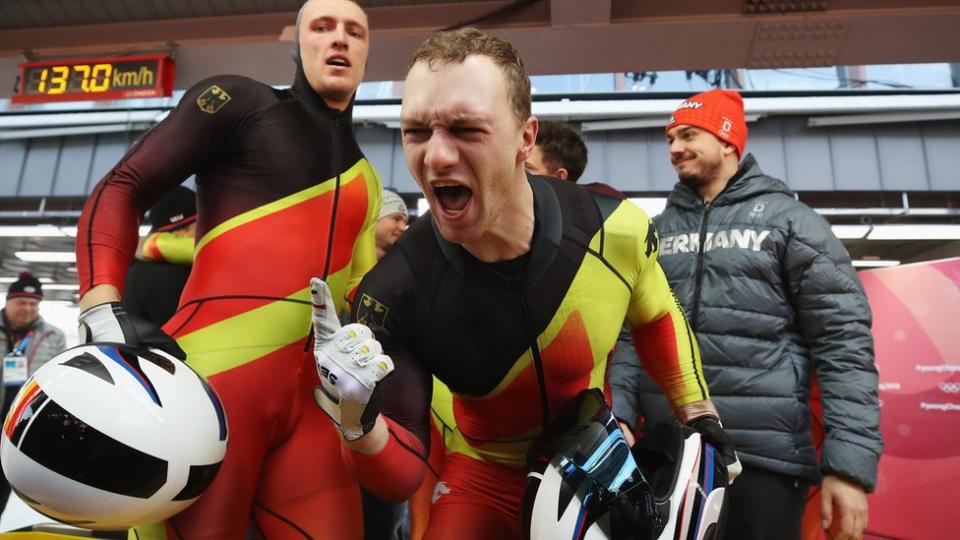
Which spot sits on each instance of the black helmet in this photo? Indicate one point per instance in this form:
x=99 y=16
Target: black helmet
x=583 y=481
x=586 y=483
x=688 y=478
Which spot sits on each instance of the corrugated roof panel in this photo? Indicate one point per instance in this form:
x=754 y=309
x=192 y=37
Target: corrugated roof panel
x=73 y=11
x=35 y=12
x=16 y=15
x=243 y=6
x=891 y=157
x=12 y=155
x=765 y=138
x=660 y=169
x=53 y=12
x=40 y=167
x=596 y=163
x=625 y=163
x=901 y=160
x=854 y=154
x=807 y=155
x=138 y=11
x=97 y=13
x=73 y=173
x=941 y=143
x=159 y=9
x=108 y=149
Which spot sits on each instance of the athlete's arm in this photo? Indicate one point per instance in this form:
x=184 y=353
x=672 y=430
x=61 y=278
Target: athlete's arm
x=195 y=133
x=669 y=352
x=664 y=340
x=391 y=460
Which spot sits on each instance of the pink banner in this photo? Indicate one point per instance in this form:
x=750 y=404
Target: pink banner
x=916 y=327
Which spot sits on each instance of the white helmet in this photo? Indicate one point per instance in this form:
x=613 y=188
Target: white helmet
x=107 y=436
x=585 y=483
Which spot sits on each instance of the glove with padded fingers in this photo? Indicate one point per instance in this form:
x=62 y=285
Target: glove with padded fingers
x=350 y=363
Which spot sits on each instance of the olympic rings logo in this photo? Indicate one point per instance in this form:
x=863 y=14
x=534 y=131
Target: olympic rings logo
x=950 y=387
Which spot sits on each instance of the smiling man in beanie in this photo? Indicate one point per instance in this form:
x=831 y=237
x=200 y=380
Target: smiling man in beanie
x=27 y=342
x=774 y=301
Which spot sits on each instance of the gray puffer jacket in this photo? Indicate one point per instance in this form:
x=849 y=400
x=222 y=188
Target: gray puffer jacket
x=772 y=296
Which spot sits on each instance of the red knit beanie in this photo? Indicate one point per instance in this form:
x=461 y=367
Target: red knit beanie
x=718 y=111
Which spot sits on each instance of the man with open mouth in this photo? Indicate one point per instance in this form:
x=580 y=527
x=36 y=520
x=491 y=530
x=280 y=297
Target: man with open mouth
x=511 y=291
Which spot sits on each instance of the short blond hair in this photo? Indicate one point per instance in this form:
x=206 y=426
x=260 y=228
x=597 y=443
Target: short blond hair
x=455 y=46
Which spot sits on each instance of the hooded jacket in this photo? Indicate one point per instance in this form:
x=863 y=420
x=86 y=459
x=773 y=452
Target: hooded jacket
x=774 y=300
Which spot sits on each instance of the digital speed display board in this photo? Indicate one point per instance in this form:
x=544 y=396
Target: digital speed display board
x=95 y=79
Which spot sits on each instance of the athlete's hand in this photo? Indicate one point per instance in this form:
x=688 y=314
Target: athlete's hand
x=350 y=362
x=111 y=323
x=710 y=429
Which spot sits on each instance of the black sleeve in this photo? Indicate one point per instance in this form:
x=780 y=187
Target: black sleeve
x=407 y=392
x=194 y=134
x=386 y=302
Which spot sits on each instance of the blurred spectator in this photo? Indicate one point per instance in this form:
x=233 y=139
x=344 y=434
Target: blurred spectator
x=560 y=152
x=28 y=343
x=392 y=222
x=158 y=274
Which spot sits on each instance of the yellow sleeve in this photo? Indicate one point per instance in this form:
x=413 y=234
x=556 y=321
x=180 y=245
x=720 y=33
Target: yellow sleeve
x=167 y=247
x=661 y=334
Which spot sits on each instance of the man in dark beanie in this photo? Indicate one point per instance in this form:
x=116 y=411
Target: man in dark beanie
x=162 y=265
x=27 y=342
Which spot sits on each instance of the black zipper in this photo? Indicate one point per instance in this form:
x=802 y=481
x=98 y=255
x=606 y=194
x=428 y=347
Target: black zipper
x=699 y=278
x=336 y=197
x=515 y=285
x=537 y=360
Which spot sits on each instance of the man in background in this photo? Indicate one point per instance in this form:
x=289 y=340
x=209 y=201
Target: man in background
x=774 y=300
x=157 y=276
x=560 y=152
x=28 y=342
x=392 y=222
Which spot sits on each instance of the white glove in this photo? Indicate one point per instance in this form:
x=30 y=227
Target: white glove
x=110 y=323
x=350 y=362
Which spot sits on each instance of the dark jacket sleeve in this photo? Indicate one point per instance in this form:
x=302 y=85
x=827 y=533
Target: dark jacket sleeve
x=835 y=318
x=624 y=373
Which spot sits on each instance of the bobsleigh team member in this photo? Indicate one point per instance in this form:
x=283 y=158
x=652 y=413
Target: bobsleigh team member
x=284 y=193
